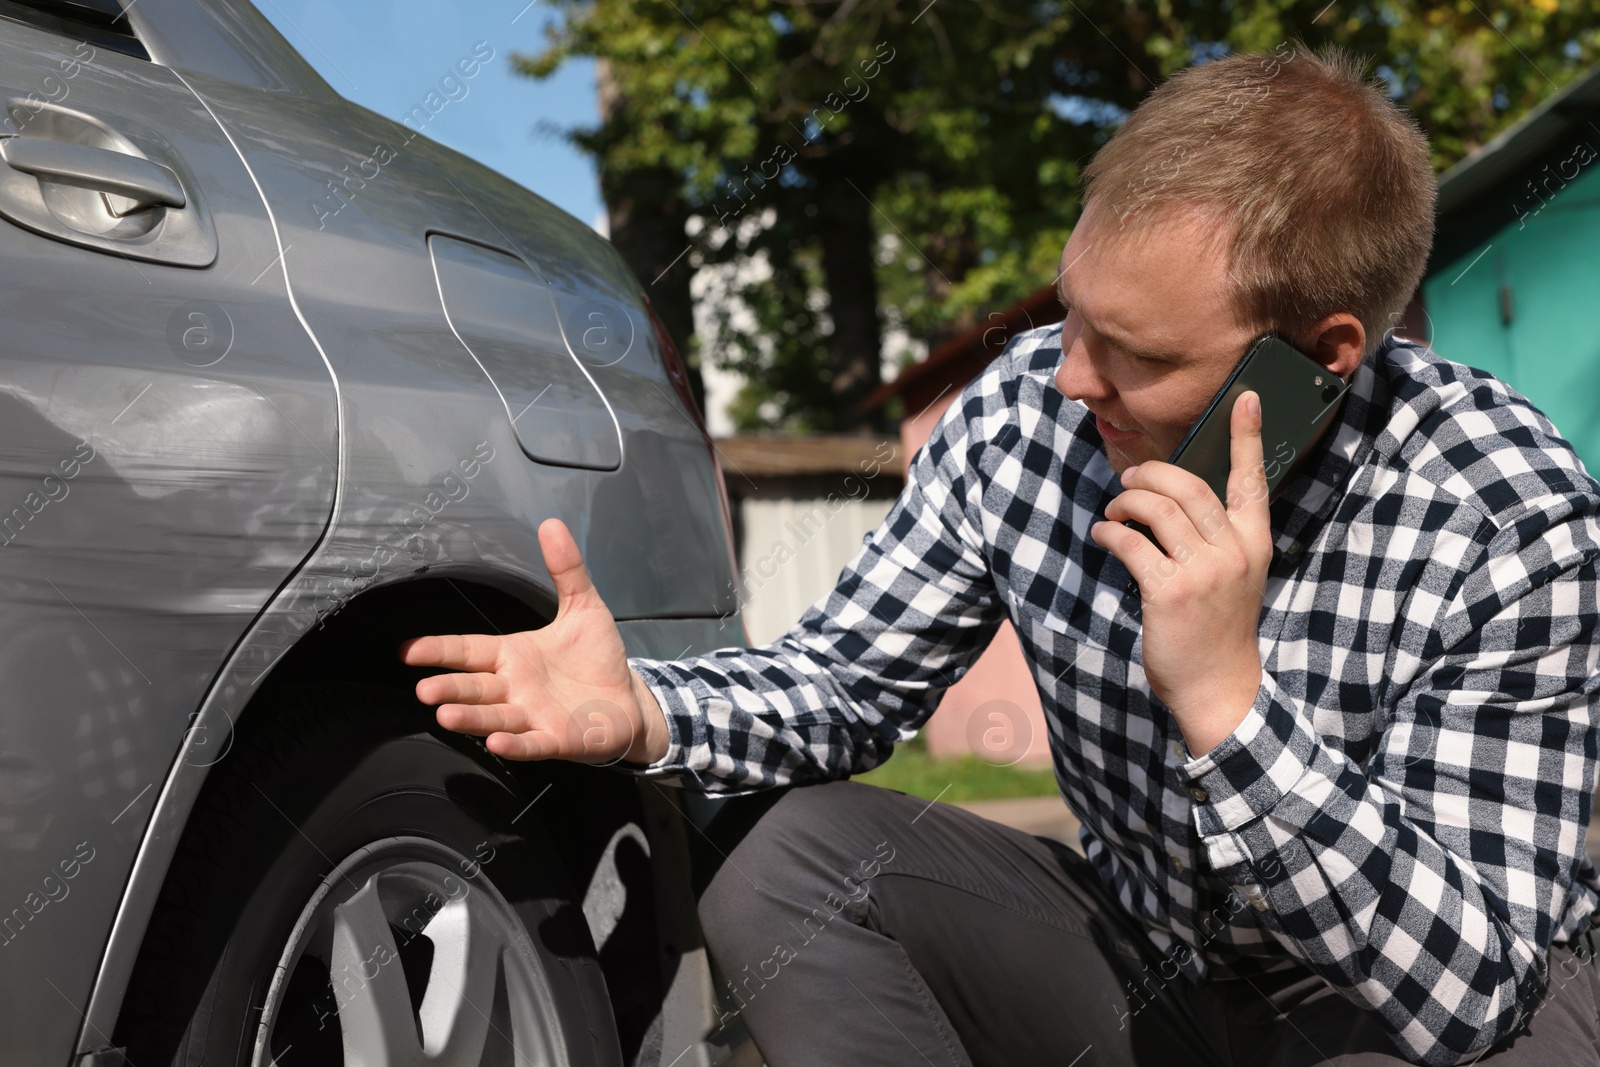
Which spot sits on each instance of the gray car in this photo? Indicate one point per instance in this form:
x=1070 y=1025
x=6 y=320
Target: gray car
x=284 y=383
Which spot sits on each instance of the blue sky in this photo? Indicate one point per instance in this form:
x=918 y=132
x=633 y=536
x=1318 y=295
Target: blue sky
x=387 y=55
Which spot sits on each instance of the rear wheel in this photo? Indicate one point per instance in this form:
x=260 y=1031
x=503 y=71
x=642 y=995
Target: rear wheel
x=355 y=890
x=410 y=961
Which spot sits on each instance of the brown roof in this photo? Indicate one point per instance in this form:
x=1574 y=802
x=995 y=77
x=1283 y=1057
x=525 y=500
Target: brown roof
x=760 y=456
x=962 y=358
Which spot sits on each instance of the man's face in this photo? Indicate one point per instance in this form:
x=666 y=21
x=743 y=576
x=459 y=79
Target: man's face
x=1152 y=332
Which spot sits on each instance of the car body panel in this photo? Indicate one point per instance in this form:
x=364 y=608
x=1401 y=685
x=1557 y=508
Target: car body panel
x=415 y=402
x=168 y=458
x=347 y=440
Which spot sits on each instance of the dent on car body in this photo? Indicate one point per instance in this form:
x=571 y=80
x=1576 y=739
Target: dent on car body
x=200 y=467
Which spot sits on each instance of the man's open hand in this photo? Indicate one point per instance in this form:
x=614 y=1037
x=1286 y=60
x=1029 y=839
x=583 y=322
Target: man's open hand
x=1202 y=596
x=561 y=692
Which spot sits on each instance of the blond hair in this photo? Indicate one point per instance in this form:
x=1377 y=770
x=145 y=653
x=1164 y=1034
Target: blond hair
x=1326 y=182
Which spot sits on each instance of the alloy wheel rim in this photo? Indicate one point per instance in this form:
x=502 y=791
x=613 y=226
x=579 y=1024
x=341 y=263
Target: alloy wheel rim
x=406 y=955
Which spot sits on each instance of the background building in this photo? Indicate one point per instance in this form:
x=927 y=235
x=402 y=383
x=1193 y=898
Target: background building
x=1512 y=284
x=801 y=506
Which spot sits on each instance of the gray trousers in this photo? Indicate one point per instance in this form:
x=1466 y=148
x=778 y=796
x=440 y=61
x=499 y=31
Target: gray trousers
x=859 y=926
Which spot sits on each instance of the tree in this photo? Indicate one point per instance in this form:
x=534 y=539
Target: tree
x=787 y=121
x=645 y=214
x=866 y=165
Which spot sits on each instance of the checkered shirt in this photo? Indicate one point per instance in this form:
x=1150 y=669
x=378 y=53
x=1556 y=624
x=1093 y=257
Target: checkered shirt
x=1403 y=808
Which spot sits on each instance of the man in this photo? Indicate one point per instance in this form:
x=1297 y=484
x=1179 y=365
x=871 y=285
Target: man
x=1332 y=752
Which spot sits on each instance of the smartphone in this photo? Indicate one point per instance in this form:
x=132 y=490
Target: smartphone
x=1299 y=398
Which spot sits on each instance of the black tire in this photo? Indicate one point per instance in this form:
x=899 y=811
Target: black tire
x=314 y=777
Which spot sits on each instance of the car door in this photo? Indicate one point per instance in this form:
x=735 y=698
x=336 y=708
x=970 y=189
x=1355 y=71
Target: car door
x=168 y=450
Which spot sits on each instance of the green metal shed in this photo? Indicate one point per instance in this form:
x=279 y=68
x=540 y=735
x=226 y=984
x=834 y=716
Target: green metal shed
x=1513 y=285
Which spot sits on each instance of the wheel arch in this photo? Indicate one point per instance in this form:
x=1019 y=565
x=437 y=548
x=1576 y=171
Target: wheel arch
x=361 y=638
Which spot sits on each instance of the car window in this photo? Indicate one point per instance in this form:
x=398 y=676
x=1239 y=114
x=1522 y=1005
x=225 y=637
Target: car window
x=103 y=23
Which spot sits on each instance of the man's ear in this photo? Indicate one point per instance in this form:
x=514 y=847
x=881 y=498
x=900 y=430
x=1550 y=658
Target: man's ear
x=1338 y=342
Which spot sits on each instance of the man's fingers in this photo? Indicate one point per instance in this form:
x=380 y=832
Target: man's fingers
x=565 y=564
x=460 y=652
x=516 y=732
x=1131 y=547
x=463 y=689
x=1206 y=514
x=529 y=745
x=1166 y=519
x=1247 y=476
x=481 y=720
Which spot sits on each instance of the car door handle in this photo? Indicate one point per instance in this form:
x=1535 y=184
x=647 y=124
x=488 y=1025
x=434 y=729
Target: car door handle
x=140 y=180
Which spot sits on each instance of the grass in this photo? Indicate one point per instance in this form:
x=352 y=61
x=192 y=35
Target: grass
x=957 y=779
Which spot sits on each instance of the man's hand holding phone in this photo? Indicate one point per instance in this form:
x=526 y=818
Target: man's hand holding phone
x=564 y=691
x=1202 y=595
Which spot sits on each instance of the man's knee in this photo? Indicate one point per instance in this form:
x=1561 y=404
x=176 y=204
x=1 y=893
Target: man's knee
x=741 y=894
x=797 y=858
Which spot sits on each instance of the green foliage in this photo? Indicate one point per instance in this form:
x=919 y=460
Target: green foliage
x=968 y=140
x=957 y=780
